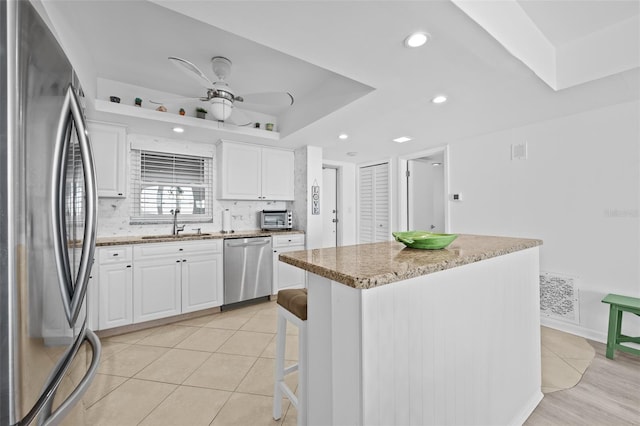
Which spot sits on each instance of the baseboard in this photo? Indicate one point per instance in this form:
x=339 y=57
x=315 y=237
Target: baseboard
x=526 y=411
x=587 y=333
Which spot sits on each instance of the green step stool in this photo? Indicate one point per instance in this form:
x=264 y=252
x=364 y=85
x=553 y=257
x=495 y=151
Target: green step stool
x=617 y=305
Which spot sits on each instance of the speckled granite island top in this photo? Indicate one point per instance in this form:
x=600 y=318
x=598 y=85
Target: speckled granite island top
x=147 y=239
x=371 y=265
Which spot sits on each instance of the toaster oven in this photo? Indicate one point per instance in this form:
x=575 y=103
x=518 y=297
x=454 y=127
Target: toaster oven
x=273 y=220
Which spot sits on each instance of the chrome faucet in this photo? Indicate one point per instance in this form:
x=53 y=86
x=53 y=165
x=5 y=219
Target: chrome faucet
x=176 y=228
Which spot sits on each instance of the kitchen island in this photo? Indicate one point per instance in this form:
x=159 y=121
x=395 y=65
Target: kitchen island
x=405 y=336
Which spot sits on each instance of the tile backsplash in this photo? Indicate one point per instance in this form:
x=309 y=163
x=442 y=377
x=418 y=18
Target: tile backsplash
x=113 y=217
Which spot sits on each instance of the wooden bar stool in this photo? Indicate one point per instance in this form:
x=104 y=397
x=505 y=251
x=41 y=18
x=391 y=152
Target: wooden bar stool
x=292 y=307
x=617 y=305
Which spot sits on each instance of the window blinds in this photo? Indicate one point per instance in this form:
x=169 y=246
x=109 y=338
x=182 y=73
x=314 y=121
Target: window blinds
x=162 y=182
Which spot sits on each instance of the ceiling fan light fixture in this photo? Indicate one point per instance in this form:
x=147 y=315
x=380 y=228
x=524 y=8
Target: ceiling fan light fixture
x=416 y=39
x=221 y=108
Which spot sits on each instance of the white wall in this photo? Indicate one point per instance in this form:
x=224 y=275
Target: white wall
x=308 y=170
x=579 y=191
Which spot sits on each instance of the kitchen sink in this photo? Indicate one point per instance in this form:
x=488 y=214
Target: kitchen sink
x=169 y=236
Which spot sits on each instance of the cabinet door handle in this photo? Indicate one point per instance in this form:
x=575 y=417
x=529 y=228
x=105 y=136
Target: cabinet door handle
x=128 y=266
x=177 y=261
x=115 y=254
x=184 y=260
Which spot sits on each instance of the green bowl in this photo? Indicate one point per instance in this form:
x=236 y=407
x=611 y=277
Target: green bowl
x=424 y=240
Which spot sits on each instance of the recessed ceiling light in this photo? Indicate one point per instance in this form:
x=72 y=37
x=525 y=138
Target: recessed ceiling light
x=352 y=154
x=178 y=129
x=436 y=164
x=402 y=139
x=416 y=39
x=343 y=136
x=440 y=99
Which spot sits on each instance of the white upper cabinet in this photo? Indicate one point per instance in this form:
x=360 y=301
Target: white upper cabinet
x=252 y=172
x=277 y=174
x=109 y=144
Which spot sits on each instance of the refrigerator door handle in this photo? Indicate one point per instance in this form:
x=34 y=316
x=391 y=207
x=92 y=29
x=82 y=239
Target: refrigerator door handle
x=43 y=404
x=51 y=419
x=73 y=297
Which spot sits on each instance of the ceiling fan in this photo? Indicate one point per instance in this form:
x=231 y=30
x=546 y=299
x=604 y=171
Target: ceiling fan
x=221 y=96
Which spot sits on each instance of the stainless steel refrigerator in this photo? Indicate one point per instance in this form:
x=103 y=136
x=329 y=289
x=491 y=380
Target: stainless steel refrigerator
x=47 y=227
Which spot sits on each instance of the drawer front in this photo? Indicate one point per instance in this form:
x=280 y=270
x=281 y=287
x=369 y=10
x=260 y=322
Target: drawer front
x=114 y=254
x=203 y=246
x=288 y=240
x=142 y=251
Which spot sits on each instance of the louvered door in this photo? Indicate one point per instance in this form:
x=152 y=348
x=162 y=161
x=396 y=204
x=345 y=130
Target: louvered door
x=373 y=200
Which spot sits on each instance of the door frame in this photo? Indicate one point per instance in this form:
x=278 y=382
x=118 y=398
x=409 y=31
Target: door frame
x=403 y=187
x=338 y=170
x=392 y=195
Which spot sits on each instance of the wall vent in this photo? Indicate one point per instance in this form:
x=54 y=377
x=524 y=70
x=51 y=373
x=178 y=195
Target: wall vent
x=559 y=297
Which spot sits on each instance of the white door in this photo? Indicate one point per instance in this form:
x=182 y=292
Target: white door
x=373 y=204
x=201 y=282
x=116 y=295
x=156 y=289
x=329 y=207
x=241 y=173
x=109 y=145
x=425 y=194
x=277 y=174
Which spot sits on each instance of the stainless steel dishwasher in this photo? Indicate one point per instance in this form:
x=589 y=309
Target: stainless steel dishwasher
x=248 y=268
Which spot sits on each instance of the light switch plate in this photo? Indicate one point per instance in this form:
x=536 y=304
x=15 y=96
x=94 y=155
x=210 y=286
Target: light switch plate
x=519 y=151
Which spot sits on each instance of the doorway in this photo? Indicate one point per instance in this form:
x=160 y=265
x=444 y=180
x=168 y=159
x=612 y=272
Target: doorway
x=424 y=187
x=329 y=207
x=374 y=203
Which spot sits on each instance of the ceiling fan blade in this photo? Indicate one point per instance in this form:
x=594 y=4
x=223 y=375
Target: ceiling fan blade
x=192 y=71
x=239 y=118
x=268 y=98
x=173 y=100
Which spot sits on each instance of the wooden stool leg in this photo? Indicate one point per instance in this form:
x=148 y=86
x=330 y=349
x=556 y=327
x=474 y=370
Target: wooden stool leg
x=615 y=320
x=279 y=374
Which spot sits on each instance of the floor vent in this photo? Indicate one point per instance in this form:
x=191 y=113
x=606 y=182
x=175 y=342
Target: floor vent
x=559 y=297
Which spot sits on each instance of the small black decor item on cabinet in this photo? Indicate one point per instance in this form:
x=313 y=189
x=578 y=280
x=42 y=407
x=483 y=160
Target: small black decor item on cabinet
x=201 y=112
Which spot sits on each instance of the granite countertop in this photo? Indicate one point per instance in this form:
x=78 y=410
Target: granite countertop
x=371 y=265
x=121 y=240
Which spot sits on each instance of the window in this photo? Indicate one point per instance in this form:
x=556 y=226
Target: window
x=163 y=182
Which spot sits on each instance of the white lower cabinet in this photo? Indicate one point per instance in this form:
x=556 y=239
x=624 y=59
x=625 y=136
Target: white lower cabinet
x=115 y=284
x=156 y=289
x=202 y=277
x=151 y=281
x=285 y=275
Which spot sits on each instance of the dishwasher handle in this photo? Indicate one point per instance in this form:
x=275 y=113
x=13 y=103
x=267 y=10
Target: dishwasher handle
x=247 y=244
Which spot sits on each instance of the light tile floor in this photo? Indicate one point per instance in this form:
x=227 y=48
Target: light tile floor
x=218 y=370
